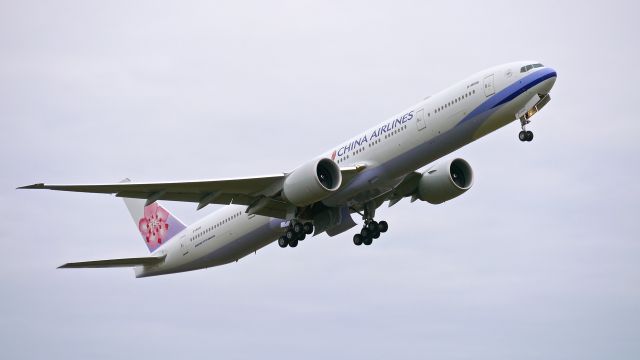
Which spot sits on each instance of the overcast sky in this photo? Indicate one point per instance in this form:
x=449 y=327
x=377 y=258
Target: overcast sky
x=539 y=260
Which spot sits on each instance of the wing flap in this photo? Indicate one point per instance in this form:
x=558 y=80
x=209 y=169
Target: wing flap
x=112 y=263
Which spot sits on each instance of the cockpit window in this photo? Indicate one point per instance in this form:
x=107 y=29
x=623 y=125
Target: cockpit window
x=529 y=67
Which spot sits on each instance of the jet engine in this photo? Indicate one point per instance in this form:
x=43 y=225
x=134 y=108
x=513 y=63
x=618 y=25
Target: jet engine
x=312 y=182
x=445 y=181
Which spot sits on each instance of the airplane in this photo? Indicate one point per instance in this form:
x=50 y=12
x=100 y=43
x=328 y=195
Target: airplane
x=321 y=196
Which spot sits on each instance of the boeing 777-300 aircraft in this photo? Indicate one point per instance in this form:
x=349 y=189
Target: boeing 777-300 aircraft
x=321 y=195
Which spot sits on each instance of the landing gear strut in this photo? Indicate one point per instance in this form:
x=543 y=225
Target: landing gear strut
x=371 y=229
x=296 y=231
x=525 y=135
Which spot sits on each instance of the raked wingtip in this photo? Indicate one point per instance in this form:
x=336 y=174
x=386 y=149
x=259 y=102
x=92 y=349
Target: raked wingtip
x=32 y=186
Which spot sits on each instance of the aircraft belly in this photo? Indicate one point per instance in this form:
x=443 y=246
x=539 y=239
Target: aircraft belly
x=501 y=116
x=497 y=119
x=243 y=242
x=231 y=246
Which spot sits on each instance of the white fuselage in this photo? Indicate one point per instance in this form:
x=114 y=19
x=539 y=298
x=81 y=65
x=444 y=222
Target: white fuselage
x=415 y=137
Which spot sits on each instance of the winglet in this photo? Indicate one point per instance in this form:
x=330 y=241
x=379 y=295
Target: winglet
x=33 y=186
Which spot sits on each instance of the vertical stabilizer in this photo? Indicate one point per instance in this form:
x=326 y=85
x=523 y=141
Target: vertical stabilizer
x=155 y=223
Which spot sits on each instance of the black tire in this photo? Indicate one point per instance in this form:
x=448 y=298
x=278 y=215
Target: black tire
x=293 y=243
x=290 y=235
x=301 y=236
x=297 y=228
x=522 y=135
x=372 y=226
x=375 y=235
x=365 y=232
x=367 y=241
x=357 y=239
x=308 y=228
x=383 y=226
x=283 y=242
x=529 y=135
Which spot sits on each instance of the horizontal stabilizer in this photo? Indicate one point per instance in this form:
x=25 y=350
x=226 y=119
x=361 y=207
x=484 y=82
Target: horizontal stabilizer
x=110 y=263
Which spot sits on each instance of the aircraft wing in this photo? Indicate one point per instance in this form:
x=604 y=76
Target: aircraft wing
x=260 y=194
x=127 y=262
x=408 y=187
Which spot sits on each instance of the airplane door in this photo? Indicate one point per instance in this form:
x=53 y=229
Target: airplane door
x=488 y=86
x=184 y=245
x=420 y=120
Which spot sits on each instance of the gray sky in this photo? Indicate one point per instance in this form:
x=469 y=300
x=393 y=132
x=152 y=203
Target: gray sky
x=540 y=260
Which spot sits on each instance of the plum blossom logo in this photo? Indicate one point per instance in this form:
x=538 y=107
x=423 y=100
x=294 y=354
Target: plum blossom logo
x=153 y=225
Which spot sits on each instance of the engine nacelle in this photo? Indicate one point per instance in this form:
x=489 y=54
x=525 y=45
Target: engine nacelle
x=445 y=181
x=312 y=182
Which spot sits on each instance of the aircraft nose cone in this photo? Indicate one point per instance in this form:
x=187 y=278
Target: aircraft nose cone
x=551 y=80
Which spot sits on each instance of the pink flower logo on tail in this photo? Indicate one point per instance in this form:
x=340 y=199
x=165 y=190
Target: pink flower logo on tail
x=153 y=225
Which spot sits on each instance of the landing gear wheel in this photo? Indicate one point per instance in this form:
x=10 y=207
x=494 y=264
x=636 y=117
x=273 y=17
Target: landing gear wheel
x=529 y=135
x=283 y=242
x=298 y=228
x=371 y=229
x=308 y=228
x=357 y=239
x=290 y=235
x=302 y=236
x=522 y=135
x=293 y=243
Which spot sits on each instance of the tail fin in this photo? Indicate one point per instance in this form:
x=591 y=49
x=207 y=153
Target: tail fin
x=155 y=223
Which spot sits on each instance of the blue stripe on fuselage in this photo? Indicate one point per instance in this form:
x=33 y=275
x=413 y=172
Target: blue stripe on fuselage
x=511 y=92
x=442 y=144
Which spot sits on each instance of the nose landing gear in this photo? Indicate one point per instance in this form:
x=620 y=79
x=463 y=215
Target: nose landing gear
x=525 y=135
x=296 y=231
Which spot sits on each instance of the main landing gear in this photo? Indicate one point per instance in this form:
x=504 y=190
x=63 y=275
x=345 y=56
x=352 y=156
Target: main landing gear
x=296 y=231
x=371 y=229
x=525 y=135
